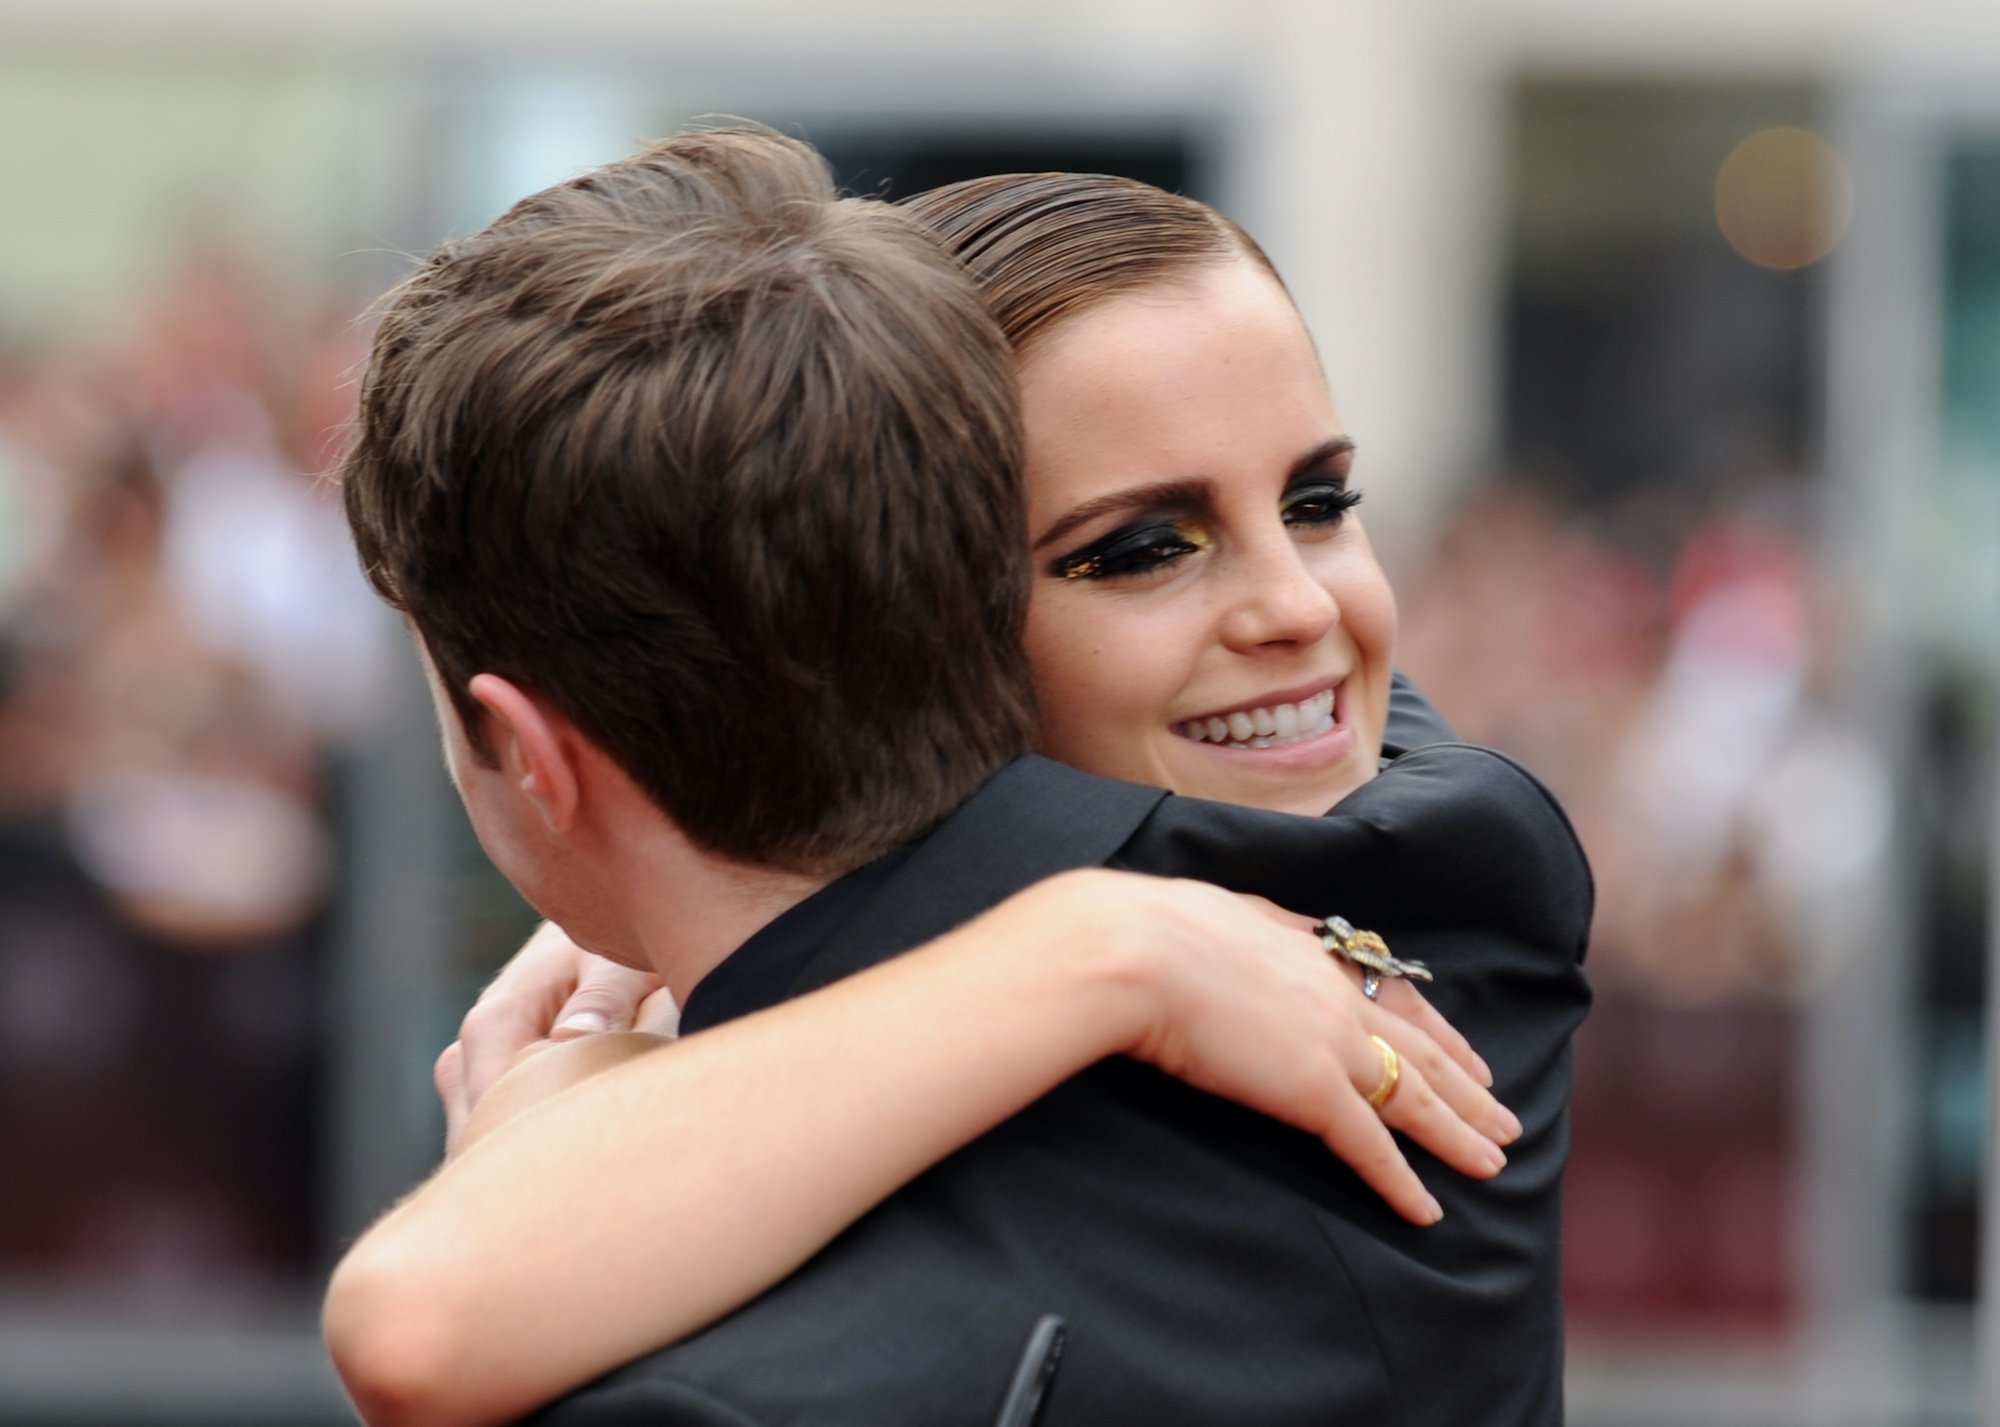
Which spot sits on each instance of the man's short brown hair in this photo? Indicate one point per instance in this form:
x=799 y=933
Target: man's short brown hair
x=728 y=469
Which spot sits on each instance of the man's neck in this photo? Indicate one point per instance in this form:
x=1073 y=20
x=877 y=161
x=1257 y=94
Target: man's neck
x=623 y=880
x=691 y=928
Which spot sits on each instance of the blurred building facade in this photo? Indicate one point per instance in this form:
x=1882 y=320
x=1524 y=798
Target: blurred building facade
x=1672 y=341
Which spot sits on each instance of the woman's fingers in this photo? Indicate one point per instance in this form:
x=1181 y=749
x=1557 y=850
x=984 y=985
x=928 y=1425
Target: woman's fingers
x=607 y=998
x=1361 y=1139
x=1393 y=994
x=1411 y=1103
x=1446 y=1078
x=1359 y=1133
x=517 y=1008
x=550 y=988
x=491 y=1035
x=448 y=1074
x=658 y=1015
x=1429 y=1086
x=1255 y=1009
x=1400 y=998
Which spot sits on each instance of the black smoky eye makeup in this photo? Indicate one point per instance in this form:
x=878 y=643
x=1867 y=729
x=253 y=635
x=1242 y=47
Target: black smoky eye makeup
x=1131 y=550
x=1321 y=502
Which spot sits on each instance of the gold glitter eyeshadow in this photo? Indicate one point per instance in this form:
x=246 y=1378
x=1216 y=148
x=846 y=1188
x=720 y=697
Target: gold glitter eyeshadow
x=1133 y=551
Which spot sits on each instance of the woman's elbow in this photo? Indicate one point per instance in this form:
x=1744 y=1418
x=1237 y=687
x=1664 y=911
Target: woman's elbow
x=394 y=1345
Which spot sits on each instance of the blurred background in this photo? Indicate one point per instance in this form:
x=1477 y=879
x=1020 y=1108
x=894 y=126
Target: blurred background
x=1671 y=335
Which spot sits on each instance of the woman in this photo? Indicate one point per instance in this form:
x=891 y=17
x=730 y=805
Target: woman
x=1208 y=617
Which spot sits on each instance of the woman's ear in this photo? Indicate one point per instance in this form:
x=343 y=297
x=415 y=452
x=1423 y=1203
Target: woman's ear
x=534 y=746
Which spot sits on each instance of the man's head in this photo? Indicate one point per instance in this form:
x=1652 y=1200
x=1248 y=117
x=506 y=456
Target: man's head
x=727 y=471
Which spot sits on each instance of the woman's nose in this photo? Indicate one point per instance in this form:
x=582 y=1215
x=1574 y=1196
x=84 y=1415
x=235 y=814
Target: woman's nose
x=1279 y=601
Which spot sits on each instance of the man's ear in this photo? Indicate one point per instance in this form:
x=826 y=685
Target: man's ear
x=533 y=745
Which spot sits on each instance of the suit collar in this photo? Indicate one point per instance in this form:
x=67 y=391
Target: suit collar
x=1032 y=819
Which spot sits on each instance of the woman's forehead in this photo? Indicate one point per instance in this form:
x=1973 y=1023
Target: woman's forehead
x=1189 y=380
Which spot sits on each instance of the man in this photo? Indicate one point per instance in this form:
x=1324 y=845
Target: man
x=731 y=685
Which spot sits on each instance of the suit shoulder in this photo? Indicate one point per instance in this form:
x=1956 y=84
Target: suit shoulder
x=1498 y=818
x=1451 y=833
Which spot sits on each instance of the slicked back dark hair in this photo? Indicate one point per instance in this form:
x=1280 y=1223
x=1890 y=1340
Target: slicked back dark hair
x=728 y=469
x=1045 y=247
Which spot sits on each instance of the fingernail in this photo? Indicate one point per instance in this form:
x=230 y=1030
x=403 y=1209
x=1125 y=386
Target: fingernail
x=584 y=1023
x=1485 y=1071
x=1496 y=1158
x=1436 y=1209
x=1510 y=1125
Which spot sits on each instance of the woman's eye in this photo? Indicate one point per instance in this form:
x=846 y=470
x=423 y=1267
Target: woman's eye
x=1130 y=552
x=1319 y=503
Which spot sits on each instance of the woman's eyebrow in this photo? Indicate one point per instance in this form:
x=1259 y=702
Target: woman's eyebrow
x=1319 y=455
x=1180 y=493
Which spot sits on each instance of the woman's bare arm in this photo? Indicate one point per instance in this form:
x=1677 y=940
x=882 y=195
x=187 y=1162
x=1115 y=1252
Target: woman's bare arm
x=621 y=1192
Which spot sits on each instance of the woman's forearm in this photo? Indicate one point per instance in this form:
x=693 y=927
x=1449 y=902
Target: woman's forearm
x=651 y=1198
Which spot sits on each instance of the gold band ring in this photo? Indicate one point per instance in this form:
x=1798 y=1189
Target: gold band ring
x=1392 y=1074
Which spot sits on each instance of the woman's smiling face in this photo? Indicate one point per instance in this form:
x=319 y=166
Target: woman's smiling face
x=1202 y=586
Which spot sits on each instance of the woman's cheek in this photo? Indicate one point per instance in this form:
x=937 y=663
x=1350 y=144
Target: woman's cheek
x=1088 y=673
x=1055 y=659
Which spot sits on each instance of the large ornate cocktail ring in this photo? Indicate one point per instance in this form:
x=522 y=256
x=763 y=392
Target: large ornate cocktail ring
x=1367 y=951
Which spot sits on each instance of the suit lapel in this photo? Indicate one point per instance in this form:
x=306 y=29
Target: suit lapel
x=1032 y=819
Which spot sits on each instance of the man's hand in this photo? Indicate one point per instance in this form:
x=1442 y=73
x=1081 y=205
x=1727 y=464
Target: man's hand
x=550 y=990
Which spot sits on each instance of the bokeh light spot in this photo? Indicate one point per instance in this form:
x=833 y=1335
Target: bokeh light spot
x=1783 y=198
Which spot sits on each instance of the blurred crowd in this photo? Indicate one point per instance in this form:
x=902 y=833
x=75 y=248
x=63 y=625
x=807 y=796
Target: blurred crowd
x=184 y=642
x=1667 y=666
x=186 y=647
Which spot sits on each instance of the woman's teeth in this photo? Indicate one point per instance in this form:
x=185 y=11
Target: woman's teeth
x=1270 y=727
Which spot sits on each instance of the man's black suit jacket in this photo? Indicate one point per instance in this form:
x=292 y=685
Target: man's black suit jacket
x=1211 y=1265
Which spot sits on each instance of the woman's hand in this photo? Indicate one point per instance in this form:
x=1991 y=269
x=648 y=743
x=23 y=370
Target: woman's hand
x=550 y=990
x=1244 y=1002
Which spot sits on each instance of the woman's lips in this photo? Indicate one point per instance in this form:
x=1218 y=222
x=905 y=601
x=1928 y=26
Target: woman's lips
x=1274 y=725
